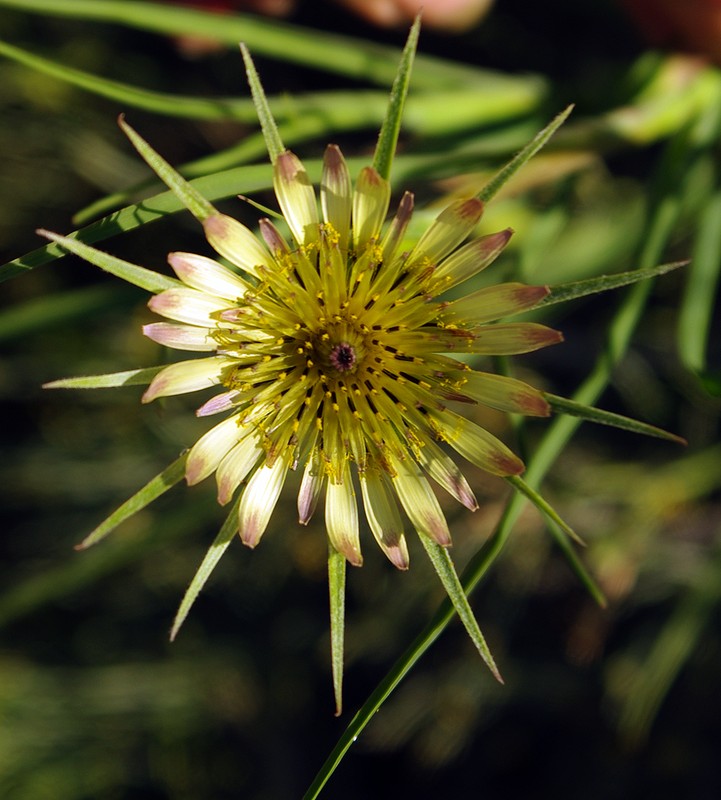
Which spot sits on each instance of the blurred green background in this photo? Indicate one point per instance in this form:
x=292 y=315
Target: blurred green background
x=598 y=703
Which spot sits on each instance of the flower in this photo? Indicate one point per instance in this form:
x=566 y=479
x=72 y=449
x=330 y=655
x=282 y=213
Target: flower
x=336 y=353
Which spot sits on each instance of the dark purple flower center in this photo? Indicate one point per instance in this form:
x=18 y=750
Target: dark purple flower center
x=343 y=357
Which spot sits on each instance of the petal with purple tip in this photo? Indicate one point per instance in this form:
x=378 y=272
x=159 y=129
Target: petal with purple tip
x=259 y=500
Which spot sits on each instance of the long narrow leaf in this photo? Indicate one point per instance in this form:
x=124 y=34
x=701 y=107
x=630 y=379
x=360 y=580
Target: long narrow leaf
x=172 y=105
x=543 y=506
x=700 y=293
x=229 y=183
x=342 y=55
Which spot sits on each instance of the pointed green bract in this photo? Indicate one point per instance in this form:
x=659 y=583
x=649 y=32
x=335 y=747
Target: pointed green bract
x=604 y=283
x=543 y=506
x=188 y=195
x=132 y=273
x=336 y=591
x=131 y=377
x=530 y=150
x=212 y=557
x=270 y=130
x=151 y=491
x=388 y=137
x=563 y=405
x=443 y=565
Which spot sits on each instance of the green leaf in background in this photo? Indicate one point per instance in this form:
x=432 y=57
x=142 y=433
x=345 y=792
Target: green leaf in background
x=355 y=58
x=701 y=291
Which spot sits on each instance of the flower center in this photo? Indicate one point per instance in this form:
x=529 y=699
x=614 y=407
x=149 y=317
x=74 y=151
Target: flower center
x=339 y=349
x=343 y=357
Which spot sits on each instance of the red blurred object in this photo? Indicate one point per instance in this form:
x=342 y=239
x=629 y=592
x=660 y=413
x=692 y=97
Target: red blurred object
x=691 y=25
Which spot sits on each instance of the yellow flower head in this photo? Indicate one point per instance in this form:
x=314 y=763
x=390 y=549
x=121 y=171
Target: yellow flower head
x=336 y=355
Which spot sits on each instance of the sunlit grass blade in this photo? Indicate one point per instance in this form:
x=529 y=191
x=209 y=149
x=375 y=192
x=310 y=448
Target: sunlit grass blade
x=132 y=273
x=172 y=105
x=110 y=380
x=564 y=292
x=443 y=565
x=220 y=544
x=336 y=590
x=144 y=497
x=388 y=137
x=343 y=55
x=701 y=290
x=563 y=405
x=538 y=141
x=190 y=197
x=313 y=113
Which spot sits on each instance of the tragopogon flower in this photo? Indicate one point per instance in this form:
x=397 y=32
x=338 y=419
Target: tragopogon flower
x=340 y=350
x=335 y=354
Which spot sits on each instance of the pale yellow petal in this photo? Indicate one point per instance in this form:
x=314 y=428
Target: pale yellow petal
x=419 y=502
x=296 y=198
x=259 y=500
x=384 y=518
x=341 y=518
